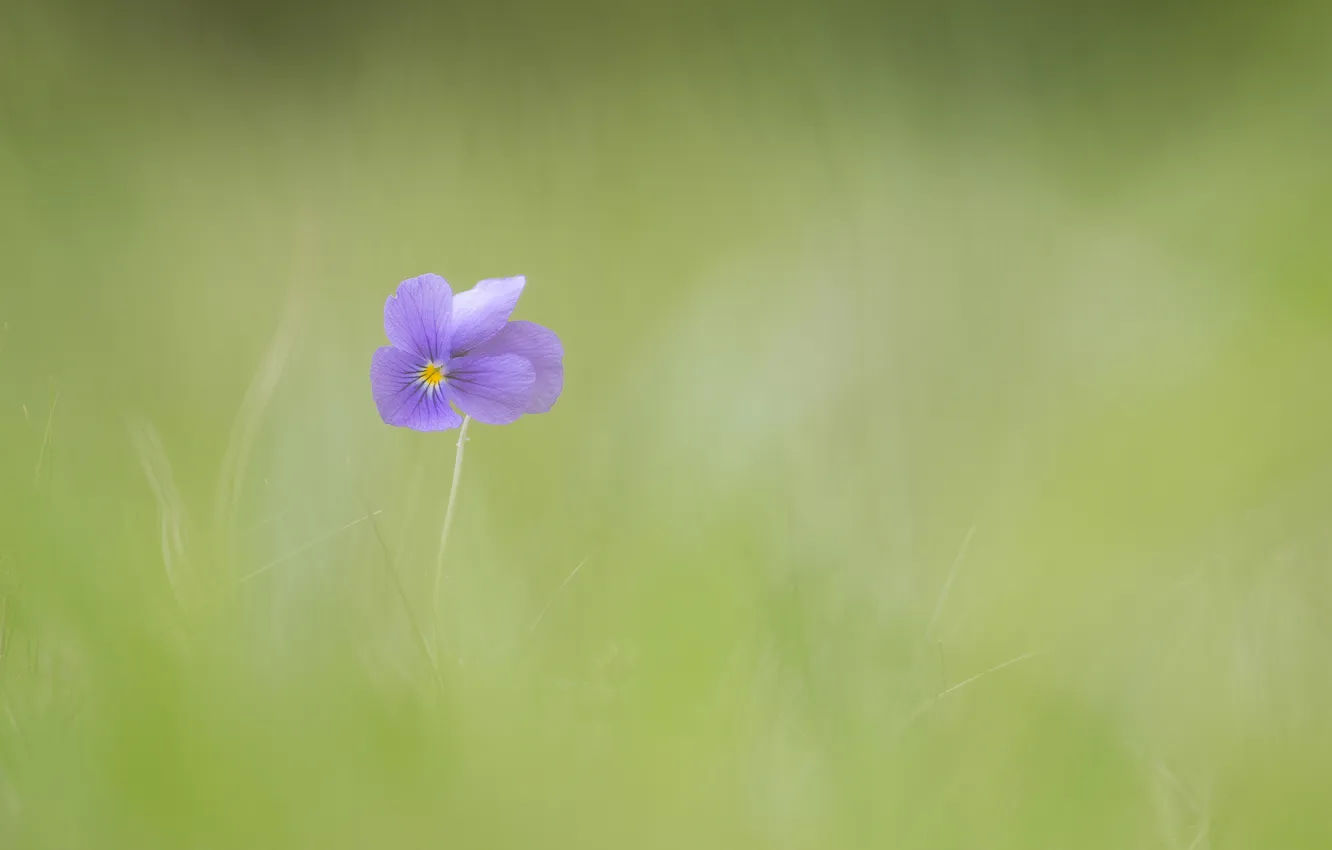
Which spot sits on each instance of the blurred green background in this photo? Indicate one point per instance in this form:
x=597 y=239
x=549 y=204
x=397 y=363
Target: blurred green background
x=944 y=461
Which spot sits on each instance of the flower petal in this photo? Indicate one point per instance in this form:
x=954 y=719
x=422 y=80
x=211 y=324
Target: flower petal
x=403 y=398
x=491 y=388
x=480 y=312
x=416 y=317
x=543 y=350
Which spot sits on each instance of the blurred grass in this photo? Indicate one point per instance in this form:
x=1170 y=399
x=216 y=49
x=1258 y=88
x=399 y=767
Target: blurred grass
x=841 y=287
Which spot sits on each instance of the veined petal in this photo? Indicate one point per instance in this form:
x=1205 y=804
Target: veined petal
x=416 y=317
x=491 y=388
x=403 y=396
x=480 y=312
x=543 y=350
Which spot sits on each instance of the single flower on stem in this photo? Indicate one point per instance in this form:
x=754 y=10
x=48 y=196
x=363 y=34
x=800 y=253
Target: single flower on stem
x=461 y=351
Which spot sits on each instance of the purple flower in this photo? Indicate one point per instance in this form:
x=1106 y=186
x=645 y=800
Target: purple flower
x=462 y=350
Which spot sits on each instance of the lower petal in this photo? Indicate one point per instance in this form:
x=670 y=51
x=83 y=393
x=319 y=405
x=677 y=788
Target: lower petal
x=493 y=389
x=542 y=348
x=403 y=399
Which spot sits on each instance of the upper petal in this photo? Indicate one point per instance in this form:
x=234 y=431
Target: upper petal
x=416 y=317
x=491 y=388
x=403 y=399
x=480 y=312
x=543 y=350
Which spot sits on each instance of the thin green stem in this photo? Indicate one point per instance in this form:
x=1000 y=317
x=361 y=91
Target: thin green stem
x=444 y=534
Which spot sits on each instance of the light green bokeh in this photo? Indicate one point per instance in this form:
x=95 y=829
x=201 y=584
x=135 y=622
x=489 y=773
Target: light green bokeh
x=945 y=453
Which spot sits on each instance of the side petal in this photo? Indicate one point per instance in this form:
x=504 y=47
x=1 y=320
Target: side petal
x=416 y=317
x=403 y=399
x=491 y=388
x=480 y=312
x=543 y=350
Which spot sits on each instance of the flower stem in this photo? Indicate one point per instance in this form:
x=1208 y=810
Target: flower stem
x=444 y=534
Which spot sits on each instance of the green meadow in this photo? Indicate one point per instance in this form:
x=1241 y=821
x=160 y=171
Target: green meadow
x=944 y=458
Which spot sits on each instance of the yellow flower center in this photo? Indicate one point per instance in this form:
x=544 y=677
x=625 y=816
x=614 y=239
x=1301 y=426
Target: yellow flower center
x=431 y=375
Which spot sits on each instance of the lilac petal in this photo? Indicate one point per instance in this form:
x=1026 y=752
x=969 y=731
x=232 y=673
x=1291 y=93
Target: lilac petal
x=491 y=388
x=404 y=399
x=542 y=349
x=416 y=317
x=480 y=312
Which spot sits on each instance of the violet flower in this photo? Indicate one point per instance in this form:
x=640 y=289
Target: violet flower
x=462 y=351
